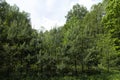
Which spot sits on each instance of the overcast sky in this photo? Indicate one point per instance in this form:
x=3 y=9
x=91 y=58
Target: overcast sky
x=49 y=13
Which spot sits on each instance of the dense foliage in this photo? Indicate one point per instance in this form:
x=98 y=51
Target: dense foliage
x=85 y=48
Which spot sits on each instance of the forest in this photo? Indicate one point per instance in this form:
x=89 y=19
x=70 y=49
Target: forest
x=86 y=47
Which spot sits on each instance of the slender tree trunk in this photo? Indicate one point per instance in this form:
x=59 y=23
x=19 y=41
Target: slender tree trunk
x=21 y=67
x=75 y=67
x=82 y=66
x=108 y=63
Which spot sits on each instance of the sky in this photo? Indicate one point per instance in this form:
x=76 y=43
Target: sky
x=46 y=14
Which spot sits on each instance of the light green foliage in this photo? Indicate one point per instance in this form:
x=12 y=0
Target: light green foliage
x=111 y=23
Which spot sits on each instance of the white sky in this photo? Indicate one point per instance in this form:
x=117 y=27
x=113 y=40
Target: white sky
x=49 y=13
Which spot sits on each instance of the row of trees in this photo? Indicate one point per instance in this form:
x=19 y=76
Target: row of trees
x=88 y=42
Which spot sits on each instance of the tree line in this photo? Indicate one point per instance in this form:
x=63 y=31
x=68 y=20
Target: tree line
x=88 y=43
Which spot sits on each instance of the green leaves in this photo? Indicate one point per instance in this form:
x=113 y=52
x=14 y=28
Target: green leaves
x=77 y=11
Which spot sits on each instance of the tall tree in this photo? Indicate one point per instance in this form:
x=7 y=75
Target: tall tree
x=111 y=23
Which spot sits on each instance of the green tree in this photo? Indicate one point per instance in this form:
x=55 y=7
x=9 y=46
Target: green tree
x=74 y=37
x=111 y=23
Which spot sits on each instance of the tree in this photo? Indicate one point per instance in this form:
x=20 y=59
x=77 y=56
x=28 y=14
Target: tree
x=74 y=37
x=77 y=11
x=15 y=37
x=111 y=23
x=111 y=20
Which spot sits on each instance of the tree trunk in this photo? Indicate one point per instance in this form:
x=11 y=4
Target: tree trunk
x=75 y=67
x=82 y=66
